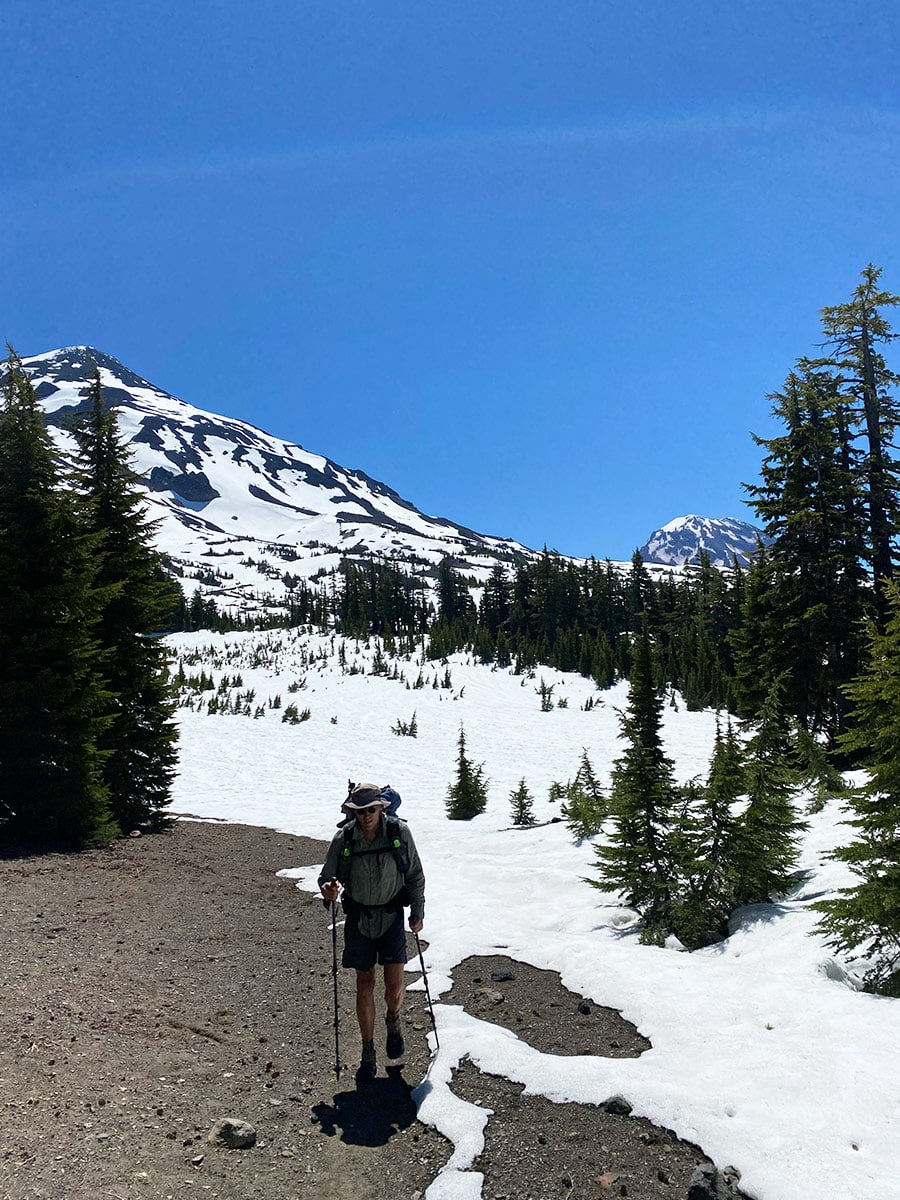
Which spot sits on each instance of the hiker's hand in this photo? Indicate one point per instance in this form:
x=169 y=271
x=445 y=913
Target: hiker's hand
x=415 y=926
x=331 y=890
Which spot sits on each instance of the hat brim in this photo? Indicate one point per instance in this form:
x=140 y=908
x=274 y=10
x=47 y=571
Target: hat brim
x=354 y=806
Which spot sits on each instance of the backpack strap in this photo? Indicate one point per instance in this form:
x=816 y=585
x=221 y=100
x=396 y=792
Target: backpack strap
x=399 y=847
x=399 y=844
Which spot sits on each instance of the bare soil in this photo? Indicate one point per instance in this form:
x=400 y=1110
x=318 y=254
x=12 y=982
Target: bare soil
x=171 y=980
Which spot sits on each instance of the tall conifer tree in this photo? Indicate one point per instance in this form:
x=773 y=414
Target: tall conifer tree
x=866 y=917
x=806 y=597
x=140 y=743
x=855 y=333
x=763 y=843
x=643 y=796
x=53 y=705
x=724 y=787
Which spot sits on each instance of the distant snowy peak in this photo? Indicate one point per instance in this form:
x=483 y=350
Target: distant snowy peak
x=683 y=540
x=240 y=511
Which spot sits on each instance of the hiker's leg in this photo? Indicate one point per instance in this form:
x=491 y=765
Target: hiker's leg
x=393 y=986
x=393 y=998
x=365 y=1003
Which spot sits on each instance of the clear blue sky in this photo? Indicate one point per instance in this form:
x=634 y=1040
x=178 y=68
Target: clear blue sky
x=534 y=264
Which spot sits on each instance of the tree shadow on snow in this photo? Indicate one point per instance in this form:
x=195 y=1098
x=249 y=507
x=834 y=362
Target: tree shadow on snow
x=370 y=1114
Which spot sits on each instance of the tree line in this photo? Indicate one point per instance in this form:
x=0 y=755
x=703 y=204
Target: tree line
x=87 y=740
x=816 y=672
x=542 y=611
x=804 y=647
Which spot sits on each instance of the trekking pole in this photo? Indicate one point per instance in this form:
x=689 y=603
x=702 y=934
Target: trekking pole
x=437 y=1044
x=334 y=976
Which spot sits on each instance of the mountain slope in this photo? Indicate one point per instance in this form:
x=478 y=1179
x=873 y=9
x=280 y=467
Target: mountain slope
x=222 y=489
x=243 y=515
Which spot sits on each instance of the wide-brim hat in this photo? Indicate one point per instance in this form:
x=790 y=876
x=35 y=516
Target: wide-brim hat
x=364 y=795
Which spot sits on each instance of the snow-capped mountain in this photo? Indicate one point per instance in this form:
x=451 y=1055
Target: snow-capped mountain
x=242 y=513
x=684 y=539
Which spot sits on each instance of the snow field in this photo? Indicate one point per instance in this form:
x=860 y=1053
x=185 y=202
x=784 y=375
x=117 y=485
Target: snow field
x=763 y=1051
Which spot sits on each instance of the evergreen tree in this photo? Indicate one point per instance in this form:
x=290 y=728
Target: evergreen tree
x=815 y=771
x=637 y=860
x=467 y=796
x=696 y=612
x=640 y=594
x=865 y=918
x=521 y=805
x=586 y=807
x=806 y=598
x=455 y=623
x=494 y=607
x=53 y=706
x=763 y=845
x=756 y=642
x=140 y=743
x=855 y=331
x=706 y=898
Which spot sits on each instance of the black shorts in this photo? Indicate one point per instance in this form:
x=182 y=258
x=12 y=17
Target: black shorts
x=363 y=953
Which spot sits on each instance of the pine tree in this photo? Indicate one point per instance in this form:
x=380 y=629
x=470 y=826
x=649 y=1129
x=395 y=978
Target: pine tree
x=467 y=797
x=521 y=805
x=705 y=834
x=855 y=331
x=806 y=597
x=756 y=641
x=494 y=607
x=697 y=612
x=763 y=844
x=865 y=918
x=455 y=623
x=815 y=770
x=638 y=860
x=140 y=744
x=586 y=807
x=53 y=706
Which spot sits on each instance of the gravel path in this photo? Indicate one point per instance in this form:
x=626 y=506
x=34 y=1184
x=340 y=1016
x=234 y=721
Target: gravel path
x=168 y=981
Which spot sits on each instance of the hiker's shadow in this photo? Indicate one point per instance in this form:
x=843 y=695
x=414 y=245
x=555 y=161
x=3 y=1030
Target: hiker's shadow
x=372 y=1113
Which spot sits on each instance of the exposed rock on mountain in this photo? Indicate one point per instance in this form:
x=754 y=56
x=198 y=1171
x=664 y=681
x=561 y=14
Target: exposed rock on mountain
x=222 y=489
x=686 y=538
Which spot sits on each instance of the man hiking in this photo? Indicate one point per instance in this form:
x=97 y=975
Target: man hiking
x=374 y=859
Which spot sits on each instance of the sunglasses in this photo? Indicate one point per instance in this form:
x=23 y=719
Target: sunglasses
x=373 y=808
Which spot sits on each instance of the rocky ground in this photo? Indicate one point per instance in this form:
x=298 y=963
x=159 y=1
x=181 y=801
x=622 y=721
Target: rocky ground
x=156 y=987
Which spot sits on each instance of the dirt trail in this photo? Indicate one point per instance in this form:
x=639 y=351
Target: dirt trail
x=171 y=980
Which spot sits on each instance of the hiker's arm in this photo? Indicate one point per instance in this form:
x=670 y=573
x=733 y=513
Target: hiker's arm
x=328 y=884
x=415 y=884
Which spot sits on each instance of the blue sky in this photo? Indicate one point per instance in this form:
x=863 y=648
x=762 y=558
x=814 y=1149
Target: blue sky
x=535 y=265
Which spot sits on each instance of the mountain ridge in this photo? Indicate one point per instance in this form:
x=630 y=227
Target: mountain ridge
x=222 y=488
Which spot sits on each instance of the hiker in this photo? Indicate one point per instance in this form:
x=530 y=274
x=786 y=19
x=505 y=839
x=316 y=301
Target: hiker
x=374 y=859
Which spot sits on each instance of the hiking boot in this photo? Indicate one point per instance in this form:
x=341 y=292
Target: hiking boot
x=394 y=1047
x=368 y=1067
